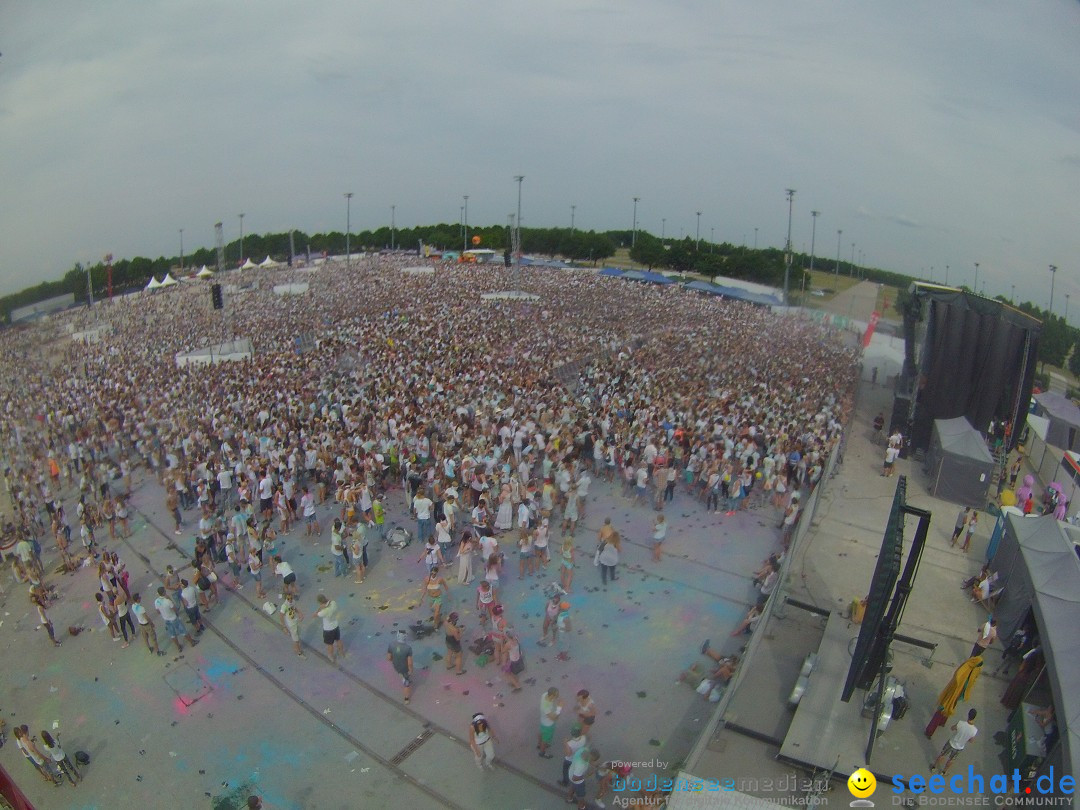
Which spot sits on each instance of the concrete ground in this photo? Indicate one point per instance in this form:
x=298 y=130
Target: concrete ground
x=834 y=566
x=241 y=713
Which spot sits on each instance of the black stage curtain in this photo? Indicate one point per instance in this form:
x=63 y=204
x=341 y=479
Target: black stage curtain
x=973 y=364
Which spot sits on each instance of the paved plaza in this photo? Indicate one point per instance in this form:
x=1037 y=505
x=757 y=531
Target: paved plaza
x=242 y=713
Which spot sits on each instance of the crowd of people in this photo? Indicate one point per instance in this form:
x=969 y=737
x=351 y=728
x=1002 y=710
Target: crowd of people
x=407 y=381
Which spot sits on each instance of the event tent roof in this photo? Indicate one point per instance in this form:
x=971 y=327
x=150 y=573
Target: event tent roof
x=168 y=281
x=248 y=264
x=153 y=284
x=268 y=262
x=1048 y=582
x=611 y=271
x=205 y=272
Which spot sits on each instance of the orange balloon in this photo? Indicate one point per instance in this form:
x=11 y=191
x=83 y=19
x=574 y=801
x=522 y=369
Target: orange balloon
x=476 y=240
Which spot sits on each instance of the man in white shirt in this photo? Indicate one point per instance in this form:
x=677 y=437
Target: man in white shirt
x=963 y=733
x=331 y=630
x=173 y=626
x=422 y=505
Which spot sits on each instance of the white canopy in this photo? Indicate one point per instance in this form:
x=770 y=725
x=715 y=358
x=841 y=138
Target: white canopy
x=205 y=272
x=268 y=262
x=248 y=264
x=168 y=281
x=153 y=284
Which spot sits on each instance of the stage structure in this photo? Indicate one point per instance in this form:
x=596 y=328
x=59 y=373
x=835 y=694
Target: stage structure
x=885 y=604
x=964 y=355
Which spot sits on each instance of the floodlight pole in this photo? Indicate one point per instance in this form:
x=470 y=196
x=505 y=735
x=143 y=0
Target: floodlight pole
x=465 y=220
x=633 y=233
x=348 y=229
x=1053 y=275
x=839 y=233
x=181 y=250
x=697 y=234
x=787 y=248
x=241 y=239
x=518 y=178
x=393 y=225
x=813 y=236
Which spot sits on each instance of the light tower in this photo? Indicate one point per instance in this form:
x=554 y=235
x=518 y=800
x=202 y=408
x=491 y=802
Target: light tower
x=348 y=228
x=813 y=235
x=633 y=233
x=787 y=247
x=241 y=238
x=697 y=236
x=1053 y=274
x=465 y=220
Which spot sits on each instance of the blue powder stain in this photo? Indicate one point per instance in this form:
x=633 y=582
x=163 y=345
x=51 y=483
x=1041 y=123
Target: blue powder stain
x=218 y=668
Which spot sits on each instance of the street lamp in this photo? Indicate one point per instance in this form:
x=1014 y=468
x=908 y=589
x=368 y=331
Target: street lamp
x=465 y=219
x=241 y=238
x=813 y=235
x=787 y=247
x=348 y=228
x=1053 y=274
x=697 y=238
x=975 y=286
x=836 y=272
x=712 y=239
x=633 y=233
x=851 y=267
x=517 y=222
x=946 y=275
x=181 y=250
x=1012 y=294
x=393 y=225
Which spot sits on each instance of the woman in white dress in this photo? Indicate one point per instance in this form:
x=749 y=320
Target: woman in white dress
x=504 y=518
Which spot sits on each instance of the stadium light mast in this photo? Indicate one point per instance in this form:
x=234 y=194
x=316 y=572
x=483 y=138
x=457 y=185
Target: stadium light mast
x=755 y=238
x=572 y=209
x=1053 y=275
x=839 y=233
x=465 y=220
x=518 y=178
x=393 y=225
x=975 y=286
x=663 y=228
x=697 y=236
x=813 y=235
x=181 y=250
x=851 y=267
x=946 y=275
x=348 y=228
x=241 y=238
x=633 y=233
x=787 y=247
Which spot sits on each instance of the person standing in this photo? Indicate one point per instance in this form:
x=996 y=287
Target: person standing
x=584 y=761
x=987 y=635
x=969 y=535
x=585 y=708
x=482 y=741
x=660 y=528
x=25 y=743
x=515 y=662
x=146 y=624
x=61 y=761
x=359 y=552
x=574 y=743
x=891 y=454
x=399 y=654
x=433 y=589
x=551 y=707
x=465 y=559
x=173 y=626
x=291 y=617
x=963 y=733
x=454 y=632
x=307 y=506
x=607 y=557
x=331 y=628
x=189 y=598
x=38 y=601
x=961 y=522
x=337 y=549
x=422 y=505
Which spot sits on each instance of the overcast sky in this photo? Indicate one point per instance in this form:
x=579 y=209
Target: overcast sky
x=931 y=133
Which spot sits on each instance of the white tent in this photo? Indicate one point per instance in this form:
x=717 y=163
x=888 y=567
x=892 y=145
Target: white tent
x=268 y=262
x=168 y=281
x=153 y=284
x=205 y=272
x=248 y=264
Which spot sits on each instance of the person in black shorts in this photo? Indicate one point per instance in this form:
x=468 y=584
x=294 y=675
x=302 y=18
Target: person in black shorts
x=454 y=632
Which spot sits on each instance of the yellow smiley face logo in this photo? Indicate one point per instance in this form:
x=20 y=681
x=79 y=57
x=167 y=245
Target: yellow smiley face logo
x=862 y=783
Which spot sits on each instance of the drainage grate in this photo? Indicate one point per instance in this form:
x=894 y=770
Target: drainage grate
x=405 y=752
